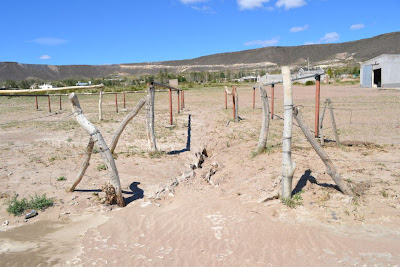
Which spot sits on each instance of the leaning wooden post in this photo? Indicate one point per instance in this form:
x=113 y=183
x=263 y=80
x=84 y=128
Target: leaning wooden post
x=272 y=100
x=101 y=104
x=170 y=107
x=179 y=108
x=125 y=122
x=48 y=100
x=150 y=118
x=36 y=102
x=317 y=101
x=101 y=144
x=85 y=164
x=331 y=169
x=333 y=121
x=254 y=97
x=262 y=140
x=288 y=166
x=321 y=121
x=60 y=103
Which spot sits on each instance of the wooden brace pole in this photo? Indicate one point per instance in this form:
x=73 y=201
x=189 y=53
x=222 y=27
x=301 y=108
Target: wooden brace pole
x=125 y=122
x=85 y=164
x=101 y=144
x=150 y=118
x=331 y=169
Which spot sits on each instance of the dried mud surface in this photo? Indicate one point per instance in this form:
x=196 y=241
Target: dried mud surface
x=224 y=213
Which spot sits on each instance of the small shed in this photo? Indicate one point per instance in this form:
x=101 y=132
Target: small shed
x=382 y=71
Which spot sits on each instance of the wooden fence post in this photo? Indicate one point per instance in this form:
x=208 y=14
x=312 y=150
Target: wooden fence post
x=321 y=121
x=331 y=169
x=183 y=99
x=333 y=121
x=236 y=106
x=226 y=99
x=101 y=144
x=254 y=97
x=116 y=102
x=48 y=98
x=124 y=102
x=262 y=140
x=233 y=101
x=317 y=101
x=60 y=103
x=36 y=102
x=150 y=118
x=288 y=166
x=170 y=107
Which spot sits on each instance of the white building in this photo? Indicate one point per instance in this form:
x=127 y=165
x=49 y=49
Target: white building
x=381 y=71
x=45 y=86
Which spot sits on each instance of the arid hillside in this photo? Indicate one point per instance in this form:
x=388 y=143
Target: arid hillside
x=349 y=53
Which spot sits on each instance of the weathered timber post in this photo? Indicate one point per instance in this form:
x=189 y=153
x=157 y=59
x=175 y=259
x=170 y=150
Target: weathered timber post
x=321 y=121
x=262 y=140
x=101 y=104
x=272 y=100
x=179 y=109
x=36 y=102
x=116 y=102
x=124 y=122
x=170 y=107
x=317 y=101
x=60 y=103
x=85 y=164
x=48 y=100
x=254 y=97
x=288 y=166
x=150 y=118
x=101 y=144
x=333 y=121
x=331 y=169
x=183 y=99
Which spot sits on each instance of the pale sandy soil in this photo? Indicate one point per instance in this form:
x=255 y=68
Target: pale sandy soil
x=227 y=222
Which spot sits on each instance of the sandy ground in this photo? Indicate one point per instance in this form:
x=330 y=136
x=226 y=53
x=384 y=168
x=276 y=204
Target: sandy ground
x=228 y=221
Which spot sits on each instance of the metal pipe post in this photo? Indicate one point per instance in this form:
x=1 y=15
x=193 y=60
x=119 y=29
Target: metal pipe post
x=317 y=100
x=272 y=100
x=170 y=106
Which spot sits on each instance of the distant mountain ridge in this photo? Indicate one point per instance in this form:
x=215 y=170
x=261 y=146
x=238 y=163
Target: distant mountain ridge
x=348 y=53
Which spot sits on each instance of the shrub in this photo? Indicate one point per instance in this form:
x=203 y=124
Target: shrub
x=61 y=178
x=310 y=82
x=18 y=207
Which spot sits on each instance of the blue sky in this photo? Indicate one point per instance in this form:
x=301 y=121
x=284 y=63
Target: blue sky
x=128 y=31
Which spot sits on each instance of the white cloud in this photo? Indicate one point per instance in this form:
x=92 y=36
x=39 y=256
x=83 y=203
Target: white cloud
x=262 y=43
x=48 y=41
x=309 y=43
x=288 y=4
x=45 y=57
x=251 y=4
x=357 y=26
x=299 y=29
x=190 y=2
x=204 y=9
x=330 y=37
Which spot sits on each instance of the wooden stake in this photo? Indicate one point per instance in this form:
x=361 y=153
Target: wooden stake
x=333 y=122
x=60 y=103
x=124 y=101
x=288 y=166
x=101 y=144
x=48 y=98
x=170 y=107
x=179 y=109
x=125 y=122
x=226 y=98
x=317 y=101
x=116 y=102
x=262 y=140
x=233 y=101
x=85 y=164
x=331 y=170
x=36 y=102
x=254 y=97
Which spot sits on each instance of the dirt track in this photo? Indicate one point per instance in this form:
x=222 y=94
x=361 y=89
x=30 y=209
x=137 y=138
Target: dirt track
x=226 y=223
